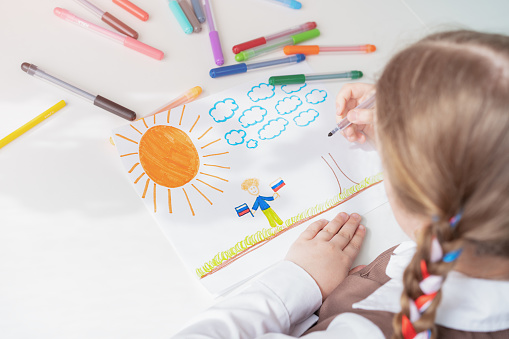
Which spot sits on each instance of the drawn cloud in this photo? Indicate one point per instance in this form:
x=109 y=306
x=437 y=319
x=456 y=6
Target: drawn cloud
x=316 y=96
x=289 y=89
x=251 y=143
x=252 y=116
x=261 y=92
x=288 y=105
x=235 y=137
x=272 y=129
x=223 y=110
x=306 y=117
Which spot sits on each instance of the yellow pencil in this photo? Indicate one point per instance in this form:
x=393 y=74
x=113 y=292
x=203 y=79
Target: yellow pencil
x=46 y=114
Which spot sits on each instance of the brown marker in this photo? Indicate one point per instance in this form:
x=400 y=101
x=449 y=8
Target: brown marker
x=110 y=19
x=97 y=100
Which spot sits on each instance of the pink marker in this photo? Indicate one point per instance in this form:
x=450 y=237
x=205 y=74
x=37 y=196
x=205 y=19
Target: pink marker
x=121 y=38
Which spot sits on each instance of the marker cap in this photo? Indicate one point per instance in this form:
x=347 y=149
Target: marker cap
x=132 y=8
x=304 y=36
x=307 y=50
x=181 y=17
x=287 y=79
x=216 y=48
x=227 y=70
x=114 y=108
x=143 y=48
x=248 y=45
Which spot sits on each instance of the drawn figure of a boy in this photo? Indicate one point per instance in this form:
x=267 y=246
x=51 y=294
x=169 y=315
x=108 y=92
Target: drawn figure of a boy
x=251 y=186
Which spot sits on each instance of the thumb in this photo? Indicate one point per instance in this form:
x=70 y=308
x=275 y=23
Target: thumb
x=361 y=116
x=356 y=269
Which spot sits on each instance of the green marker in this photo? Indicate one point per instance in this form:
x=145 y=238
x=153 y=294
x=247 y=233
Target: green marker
x=302 y=78
x=292 y=40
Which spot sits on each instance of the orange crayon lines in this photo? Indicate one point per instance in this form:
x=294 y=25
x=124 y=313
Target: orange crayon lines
x=144 y=122
x=211 y=155
x=136 y=181
x=210 y=202
x=189 y=202
x=118 y=135
x=136 y=129
x=132 y=168
x=194 y=124
x=216 y=166
x=125 y=155
x=168 y=118
x=169 y=200
x=205 y=133
x=203 y=182
x=155 y=200
x=182 y=115
x=214 y=176
x=210 y=143
x=146 y=188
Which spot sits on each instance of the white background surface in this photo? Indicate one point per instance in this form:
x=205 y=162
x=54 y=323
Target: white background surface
x=80 y=256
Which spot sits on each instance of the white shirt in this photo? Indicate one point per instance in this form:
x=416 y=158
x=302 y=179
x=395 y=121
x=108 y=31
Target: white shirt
x=280 y=304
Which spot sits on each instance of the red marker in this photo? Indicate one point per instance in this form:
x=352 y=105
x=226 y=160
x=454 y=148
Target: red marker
x=263 y=40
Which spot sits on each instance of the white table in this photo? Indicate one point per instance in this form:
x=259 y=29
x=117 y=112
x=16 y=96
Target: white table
x=80 y=256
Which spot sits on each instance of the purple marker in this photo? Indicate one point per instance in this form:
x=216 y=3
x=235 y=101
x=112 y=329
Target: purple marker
x=213 y=35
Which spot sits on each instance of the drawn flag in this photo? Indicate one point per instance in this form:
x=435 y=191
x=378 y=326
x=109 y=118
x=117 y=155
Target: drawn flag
x=276 y=185
x=243 y=210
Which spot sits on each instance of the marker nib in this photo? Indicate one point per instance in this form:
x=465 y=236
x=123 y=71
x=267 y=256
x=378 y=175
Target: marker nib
x=330 y=134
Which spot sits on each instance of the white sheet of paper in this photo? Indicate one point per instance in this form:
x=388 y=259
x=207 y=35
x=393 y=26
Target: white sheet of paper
x=188 y=166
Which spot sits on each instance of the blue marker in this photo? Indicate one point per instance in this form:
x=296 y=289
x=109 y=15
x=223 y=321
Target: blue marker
x=243 y=67
x=181 y=17
x=198 y=10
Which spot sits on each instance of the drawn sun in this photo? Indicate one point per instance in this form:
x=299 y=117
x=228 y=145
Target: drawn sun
x=169 y=159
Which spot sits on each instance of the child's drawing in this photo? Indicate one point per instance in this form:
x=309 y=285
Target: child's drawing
x=252 y=116
x=337 y=179
x=272 y=129
x=252 y=187
x=251 y=143
x=243 y=210
x=223 y=110
x=316 y=96
x=261 y=92
x=306 y=117
x=289 y=89
x=182 y=164
x=167 y=162
x=235 y=137
x=288 y=105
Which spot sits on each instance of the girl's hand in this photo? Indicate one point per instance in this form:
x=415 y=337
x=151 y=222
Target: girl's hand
x=362 y=120
x=326 y=250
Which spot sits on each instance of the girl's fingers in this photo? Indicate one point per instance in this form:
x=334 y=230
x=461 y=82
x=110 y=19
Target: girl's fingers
x=346 y=233
x=332 y=228
x=313 y=229
x=354 y=246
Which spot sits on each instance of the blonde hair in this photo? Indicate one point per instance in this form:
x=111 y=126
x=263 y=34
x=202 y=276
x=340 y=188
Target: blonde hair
x=248 y=183
x=443 y=128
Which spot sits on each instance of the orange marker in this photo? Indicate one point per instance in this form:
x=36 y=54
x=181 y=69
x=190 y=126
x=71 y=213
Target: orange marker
x=132 y=8
x=314 y=49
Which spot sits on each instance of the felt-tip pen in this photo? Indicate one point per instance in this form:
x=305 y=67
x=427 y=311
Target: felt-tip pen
x=302 y=78
x=279 y=43
x=344 y=123
x=97 y=100
x=243 y=67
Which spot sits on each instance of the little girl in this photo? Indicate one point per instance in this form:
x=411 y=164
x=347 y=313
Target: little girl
x=442 y=129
